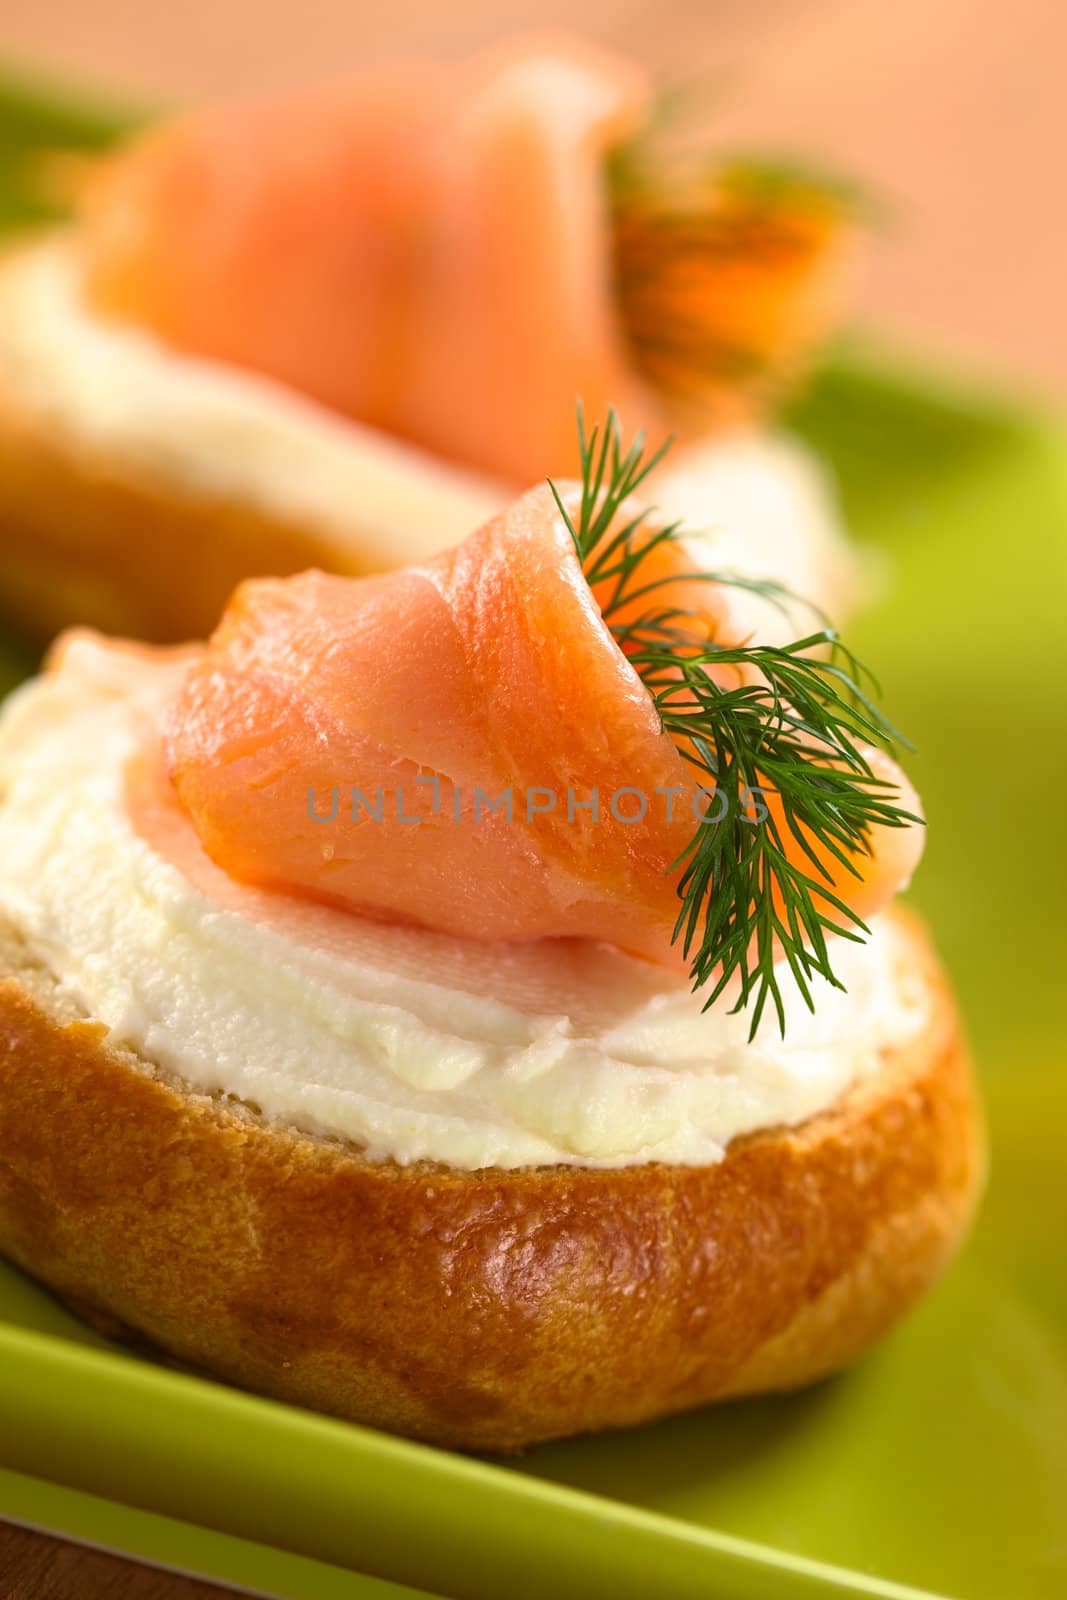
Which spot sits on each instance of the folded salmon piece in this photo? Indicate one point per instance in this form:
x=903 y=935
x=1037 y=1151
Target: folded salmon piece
x=449 y=254
x=423 y=248
x=477 y=704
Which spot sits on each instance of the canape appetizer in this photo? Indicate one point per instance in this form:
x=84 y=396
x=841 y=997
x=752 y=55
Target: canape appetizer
x=468 y=999
x=339 y=328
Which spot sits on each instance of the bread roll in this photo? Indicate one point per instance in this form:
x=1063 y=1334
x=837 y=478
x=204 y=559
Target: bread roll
x=484 y=1310
x=139 y=485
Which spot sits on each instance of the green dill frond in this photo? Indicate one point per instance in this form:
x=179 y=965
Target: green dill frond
x=789 y=722
x=720 y=258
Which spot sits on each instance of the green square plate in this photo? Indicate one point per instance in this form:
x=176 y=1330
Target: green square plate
x=181 y=1547
x=937 y=1467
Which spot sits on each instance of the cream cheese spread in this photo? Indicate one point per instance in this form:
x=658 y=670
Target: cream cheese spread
x=760 y=501
x=209 y=428
x=412 y=1044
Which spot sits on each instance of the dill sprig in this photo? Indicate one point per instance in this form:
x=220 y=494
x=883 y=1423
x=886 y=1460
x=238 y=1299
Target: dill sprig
x=758 y=723
x=720 y=257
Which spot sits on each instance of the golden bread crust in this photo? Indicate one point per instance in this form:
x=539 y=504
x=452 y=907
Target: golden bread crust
x=105 y=542
x=483 y=1310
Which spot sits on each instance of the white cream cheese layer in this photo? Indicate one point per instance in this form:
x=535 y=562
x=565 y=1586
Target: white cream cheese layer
x=208 y=428
x=760 y=505
x=760 y=501
x=409 y=1043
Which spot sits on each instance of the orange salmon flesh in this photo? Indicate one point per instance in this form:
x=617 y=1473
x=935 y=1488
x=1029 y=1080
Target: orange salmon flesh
x=438 y=252
x=486 y=670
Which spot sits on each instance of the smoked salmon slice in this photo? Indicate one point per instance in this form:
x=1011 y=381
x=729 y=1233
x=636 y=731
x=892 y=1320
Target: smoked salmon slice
x=355 y=740
x=425 y=249
x=453 y=255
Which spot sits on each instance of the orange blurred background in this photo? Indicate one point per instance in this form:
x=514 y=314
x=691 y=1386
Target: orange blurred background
x=955 y=109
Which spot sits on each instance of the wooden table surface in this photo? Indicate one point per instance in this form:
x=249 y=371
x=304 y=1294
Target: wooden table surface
x=953 y=108
x=33 y=1567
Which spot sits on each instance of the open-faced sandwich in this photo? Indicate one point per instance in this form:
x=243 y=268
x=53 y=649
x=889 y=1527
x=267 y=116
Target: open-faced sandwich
x=340 y=328
x=469 y=1000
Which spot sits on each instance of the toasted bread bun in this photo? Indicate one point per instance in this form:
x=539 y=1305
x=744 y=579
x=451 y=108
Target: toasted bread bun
x=139 y=485
x=486 y=1309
